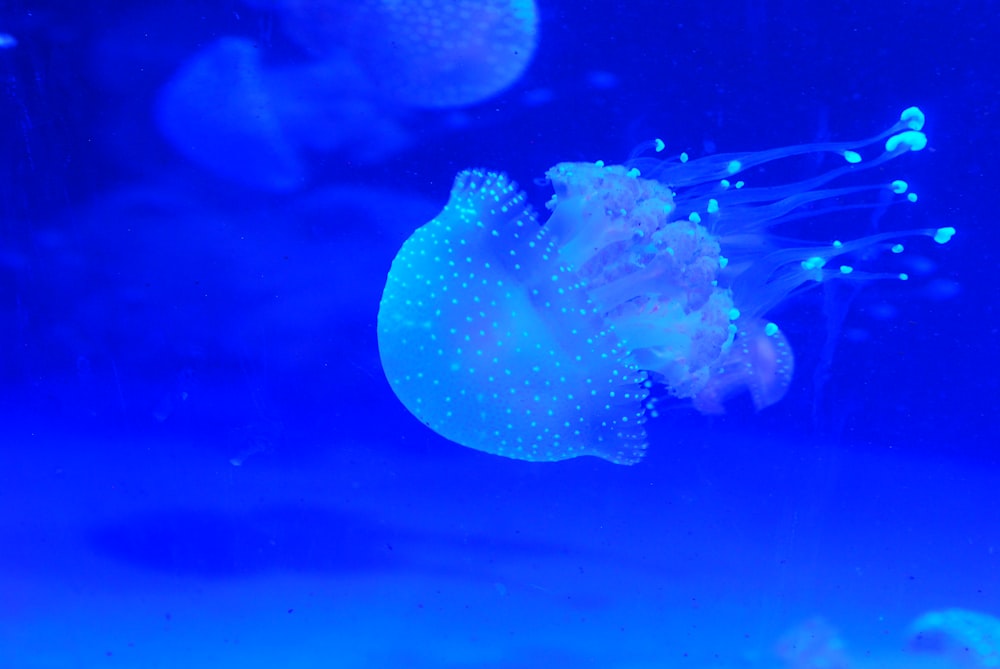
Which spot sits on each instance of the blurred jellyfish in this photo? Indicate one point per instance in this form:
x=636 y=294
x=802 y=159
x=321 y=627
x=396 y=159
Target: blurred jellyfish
x=372 y=62
x=219 y=112
x=447 y=53
x=229 y=114
x=965 y=638
x=543 y=342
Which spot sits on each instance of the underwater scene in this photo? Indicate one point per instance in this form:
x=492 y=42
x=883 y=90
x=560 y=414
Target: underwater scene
x=499 y=334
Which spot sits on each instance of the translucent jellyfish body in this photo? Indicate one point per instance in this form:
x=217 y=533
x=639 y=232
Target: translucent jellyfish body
x=217 y=111
x=962 y=638
x=229 y=113
x=232 y=110
x=446 y=53
x=542 y=341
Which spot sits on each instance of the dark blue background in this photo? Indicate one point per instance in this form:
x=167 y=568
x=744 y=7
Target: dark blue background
x=144 y=301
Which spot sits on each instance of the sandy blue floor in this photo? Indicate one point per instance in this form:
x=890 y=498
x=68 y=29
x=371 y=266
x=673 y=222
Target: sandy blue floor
x=168 y=555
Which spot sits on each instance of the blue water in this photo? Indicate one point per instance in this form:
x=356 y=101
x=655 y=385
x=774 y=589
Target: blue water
x=202 y=463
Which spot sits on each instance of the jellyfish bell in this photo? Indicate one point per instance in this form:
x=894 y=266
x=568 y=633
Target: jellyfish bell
x=219 y=112
x=429 y=55
x=542 y=342
x=491 y=341
x=256 y=124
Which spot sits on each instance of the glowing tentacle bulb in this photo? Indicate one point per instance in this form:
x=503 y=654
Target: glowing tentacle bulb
x=541 y=342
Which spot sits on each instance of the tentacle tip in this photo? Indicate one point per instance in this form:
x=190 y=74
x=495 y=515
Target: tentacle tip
x=908 y=140
x=944 y=235
x=913 y=117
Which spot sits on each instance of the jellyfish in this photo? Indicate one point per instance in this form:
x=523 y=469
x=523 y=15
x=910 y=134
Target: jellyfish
x=965 y=638
x=219 y=112
x=448 y=53
x=255 y=124
x=542 y=342
x=371 y=63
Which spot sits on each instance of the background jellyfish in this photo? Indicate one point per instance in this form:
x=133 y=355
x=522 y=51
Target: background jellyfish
x=964 y=638
x=541 y=342
x=368 y=66
x=433 y=54
x=253 y=124
x=219 y=111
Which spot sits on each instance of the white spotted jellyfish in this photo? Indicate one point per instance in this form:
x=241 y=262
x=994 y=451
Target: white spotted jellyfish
x=542 y=342
x=442 y=54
